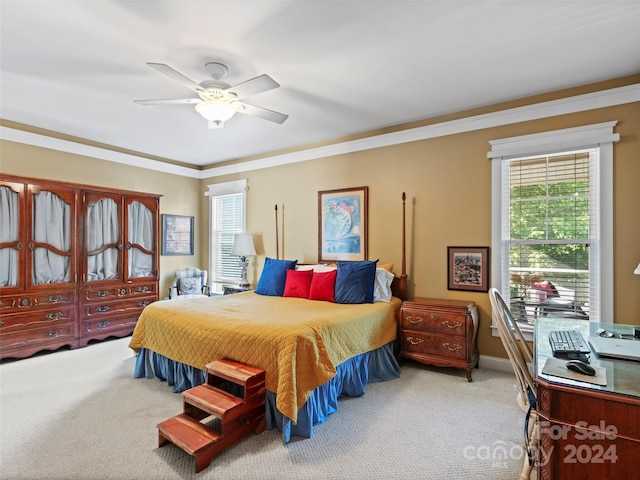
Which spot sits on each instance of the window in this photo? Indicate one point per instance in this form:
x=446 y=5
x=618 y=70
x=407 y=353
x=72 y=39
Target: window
x=227 y=206
x=551 y=227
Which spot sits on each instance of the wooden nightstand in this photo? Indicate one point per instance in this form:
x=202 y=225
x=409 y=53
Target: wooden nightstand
x=229 y=289
x=439 y=332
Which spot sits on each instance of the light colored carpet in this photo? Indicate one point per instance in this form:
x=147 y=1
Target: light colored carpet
x=80 y=414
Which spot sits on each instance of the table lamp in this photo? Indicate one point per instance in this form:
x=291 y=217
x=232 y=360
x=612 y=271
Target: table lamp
x=243 y=247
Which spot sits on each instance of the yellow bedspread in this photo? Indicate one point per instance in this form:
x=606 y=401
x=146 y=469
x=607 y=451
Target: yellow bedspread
x=297 y=342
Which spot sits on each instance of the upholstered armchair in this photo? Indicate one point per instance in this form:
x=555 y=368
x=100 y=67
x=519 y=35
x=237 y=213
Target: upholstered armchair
x=190 y=281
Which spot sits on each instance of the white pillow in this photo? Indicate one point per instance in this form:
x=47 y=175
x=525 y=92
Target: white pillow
x=319 y=267
x=382 y=285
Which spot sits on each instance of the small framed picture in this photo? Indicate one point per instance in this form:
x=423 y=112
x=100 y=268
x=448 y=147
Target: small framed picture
x=177 y=235
x=468 y=268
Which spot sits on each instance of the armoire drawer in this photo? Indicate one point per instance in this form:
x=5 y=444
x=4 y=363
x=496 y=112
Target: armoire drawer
x=142 y=289
x=62 y=333
x=102 y=294
x=51 y=317
x=17 y=303
x=105 y=325
x=116 y=308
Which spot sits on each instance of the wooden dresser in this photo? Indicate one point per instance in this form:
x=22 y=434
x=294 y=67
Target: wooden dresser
x=439 y=332
x=77 y=263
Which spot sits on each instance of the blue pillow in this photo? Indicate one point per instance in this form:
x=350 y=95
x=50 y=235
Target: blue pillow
x=274 y=276
x=355 y=281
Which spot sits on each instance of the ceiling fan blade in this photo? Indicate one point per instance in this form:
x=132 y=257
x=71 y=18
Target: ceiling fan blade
x=260 y=112
x=254 y=86
x=168 y=101
x=176 y=75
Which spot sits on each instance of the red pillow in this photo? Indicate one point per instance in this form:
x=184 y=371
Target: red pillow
x=298 y=283
x=323 y=286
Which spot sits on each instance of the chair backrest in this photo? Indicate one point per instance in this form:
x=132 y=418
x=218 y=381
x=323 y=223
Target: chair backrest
x=516 y=346
x=190 y=281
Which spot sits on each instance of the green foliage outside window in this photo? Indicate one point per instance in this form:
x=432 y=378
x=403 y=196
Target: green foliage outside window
x=560 y=213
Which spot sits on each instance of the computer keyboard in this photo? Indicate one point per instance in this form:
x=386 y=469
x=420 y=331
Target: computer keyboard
x=566 y=342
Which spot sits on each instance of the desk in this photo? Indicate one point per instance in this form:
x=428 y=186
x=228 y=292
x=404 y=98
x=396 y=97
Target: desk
x=587 y=431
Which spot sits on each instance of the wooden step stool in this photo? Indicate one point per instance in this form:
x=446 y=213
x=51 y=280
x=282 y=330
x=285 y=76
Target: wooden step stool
x=218 y=413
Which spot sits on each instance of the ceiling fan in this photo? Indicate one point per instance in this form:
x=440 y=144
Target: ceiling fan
x=218 y=100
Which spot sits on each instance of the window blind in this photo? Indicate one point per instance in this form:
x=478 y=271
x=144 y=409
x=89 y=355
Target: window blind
x=550 y=234
x=227 y=220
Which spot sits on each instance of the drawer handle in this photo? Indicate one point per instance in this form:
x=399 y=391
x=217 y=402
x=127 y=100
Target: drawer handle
x=104 y=324
x=414 y=341
x=102 y=293
x=452 y=348
x=143 y=303
x=54 y=298
x=103 y=308
x=53 y=315
x=54 y=333
x=447 y=324
x=123 y=292
x=142 y=289
x=414 y=320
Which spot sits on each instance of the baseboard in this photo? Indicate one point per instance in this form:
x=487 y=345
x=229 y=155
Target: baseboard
x=495 y=363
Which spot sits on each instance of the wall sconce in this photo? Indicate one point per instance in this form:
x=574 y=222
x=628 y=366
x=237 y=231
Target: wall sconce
x=243 y=247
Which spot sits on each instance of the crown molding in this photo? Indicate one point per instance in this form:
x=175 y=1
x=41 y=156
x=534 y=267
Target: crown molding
x=578 y=103
x=563 y=106
x=52 y=143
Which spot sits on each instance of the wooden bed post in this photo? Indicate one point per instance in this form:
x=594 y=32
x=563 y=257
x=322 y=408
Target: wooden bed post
x=404 y=238
x=399 y=284
x=277 y=248
x=403 y=277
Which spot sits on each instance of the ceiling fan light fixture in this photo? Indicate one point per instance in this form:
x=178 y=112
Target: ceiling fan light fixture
x=216 y=112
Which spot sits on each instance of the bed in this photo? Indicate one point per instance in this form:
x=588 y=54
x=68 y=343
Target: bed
x=312 y=349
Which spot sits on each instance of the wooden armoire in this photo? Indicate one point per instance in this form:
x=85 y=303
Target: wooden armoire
x=77 y=263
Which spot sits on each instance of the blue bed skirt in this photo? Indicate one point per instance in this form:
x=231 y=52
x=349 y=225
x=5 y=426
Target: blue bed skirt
x=351 y=380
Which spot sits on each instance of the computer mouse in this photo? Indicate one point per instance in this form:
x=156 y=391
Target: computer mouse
x=581 y=367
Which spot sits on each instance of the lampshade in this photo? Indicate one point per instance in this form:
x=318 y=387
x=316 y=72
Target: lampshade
x=216 y=112
x=637 y=270
x=243 y=245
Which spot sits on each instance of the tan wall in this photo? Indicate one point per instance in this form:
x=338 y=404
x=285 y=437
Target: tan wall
x=448 y=185
x=180 y=195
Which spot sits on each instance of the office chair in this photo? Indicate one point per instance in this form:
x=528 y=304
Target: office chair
x=520 y=355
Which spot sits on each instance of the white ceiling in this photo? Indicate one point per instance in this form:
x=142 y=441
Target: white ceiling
x=344 y=67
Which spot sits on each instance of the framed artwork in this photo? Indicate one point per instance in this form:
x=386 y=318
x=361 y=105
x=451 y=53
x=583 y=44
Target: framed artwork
x=468 y=268
x=343 y=224
x=177 y=235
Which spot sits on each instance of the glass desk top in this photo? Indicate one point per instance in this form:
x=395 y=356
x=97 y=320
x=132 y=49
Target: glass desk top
x=623 y=376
